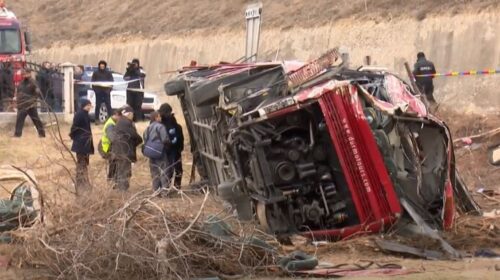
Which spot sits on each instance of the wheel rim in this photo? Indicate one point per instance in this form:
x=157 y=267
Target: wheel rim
x=103 y=113
x=262 y=216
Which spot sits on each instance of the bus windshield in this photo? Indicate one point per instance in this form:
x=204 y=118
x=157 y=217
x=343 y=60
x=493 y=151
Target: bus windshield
x=10 y=41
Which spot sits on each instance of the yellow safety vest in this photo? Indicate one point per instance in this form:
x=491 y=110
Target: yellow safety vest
x=106 y=142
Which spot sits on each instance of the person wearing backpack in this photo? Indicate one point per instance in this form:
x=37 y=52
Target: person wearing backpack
x=155 y=142
x=104 y=146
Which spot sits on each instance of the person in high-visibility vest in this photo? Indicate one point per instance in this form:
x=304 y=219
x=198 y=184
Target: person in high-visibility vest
x=104 y=146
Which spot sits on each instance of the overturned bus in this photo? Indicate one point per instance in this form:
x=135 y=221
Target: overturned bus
x=319 y=149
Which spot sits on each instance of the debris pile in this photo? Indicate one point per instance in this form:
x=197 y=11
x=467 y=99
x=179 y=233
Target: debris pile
x=100 y=239
x=20 y=203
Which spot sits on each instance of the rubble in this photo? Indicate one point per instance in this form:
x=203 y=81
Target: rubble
x=20 y=203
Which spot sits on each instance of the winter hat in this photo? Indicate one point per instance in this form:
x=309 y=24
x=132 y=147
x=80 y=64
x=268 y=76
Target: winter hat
x=136 y=60
x=127 y=110
x=103 y=62
x=165 y=109
x=84 y=102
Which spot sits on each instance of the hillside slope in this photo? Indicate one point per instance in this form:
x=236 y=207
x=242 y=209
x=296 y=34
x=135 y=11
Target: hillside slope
x=84 y=21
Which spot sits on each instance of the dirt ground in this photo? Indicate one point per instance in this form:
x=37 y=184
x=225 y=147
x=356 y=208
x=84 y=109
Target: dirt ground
x=77 y=21
x=53 y=167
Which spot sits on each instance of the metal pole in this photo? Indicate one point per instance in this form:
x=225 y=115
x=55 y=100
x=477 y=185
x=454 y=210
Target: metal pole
x=68 y=91
x=253 y=19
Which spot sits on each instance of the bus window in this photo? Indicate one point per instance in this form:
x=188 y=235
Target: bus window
x=10 y=41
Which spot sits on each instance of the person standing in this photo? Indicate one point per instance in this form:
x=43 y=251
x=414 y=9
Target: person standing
x=104 y=146
x=176 y=146
x=80 y=91
x=425 y=84
x=102 y=93
x=44 y=80
x=155 y=141
x=83 y=146
x=6 y=86
x=135 y=94
x=27 y=97
x=125 y=140
x=57 y=85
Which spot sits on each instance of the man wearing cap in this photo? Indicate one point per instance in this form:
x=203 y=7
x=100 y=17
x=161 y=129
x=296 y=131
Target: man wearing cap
x=125 y=140
x=102 y=93
x=425 y=84
x=104 y=146
x=27 y=97
x=135 y=95
x=83 y=145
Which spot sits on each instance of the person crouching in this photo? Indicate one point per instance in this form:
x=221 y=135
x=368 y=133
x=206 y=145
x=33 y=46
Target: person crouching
x=155 y=141
x=125 y=140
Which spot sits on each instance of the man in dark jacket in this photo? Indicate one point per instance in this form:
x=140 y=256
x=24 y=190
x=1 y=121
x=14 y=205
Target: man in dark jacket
x=174 y=150
x=425 y=67
x=79 y=89
x=56 y=90
x=27 y=97
x=125 y=140
x=102 y=93
x=44 y=83
x=83 y=145
x=6 y=86
x=135 y=93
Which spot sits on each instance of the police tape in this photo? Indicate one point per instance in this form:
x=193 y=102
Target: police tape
x=464 y=73
x=106 y=84
x=111 y=84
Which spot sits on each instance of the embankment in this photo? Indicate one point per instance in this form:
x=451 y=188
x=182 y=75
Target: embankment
x=454 y=42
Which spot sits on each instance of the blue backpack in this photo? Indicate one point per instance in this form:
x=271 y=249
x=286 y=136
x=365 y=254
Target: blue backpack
x=154 y=147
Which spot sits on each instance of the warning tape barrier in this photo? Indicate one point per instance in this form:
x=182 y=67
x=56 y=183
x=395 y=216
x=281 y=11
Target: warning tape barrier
x=463 y=73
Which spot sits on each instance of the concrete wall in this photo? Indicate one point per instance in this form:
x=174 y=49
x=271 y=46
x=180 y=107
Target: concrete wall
x=460 y=42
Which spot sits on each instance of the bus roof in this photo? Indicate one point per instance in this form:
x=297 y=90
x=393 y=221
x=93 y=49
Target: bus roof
x=5 y=13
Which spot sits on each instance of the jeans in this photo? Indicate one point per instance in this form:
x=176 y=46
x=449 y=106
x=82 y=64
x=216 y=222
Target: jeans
x=134 y=100
x=159 y=173
x=123 y=173
x=175 y=165
x=100 y=98
x=111 y=168
x=428 y=90
x=21 y=117
x=82 y=174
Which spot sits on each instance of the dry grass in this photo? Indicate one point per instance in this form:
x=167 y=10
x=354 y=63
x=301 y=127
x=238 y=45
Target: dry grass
x=140 y=237
x=113 y=235
x=136 y=235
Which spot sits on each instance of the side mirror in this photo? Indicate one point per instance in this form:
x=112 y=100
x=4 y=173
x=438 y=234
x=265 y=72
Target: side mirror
x=27 y=40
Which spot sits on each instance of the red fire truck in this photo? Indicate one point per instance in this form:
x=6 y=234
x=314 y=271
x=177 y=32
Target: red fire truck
x=14 y=41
